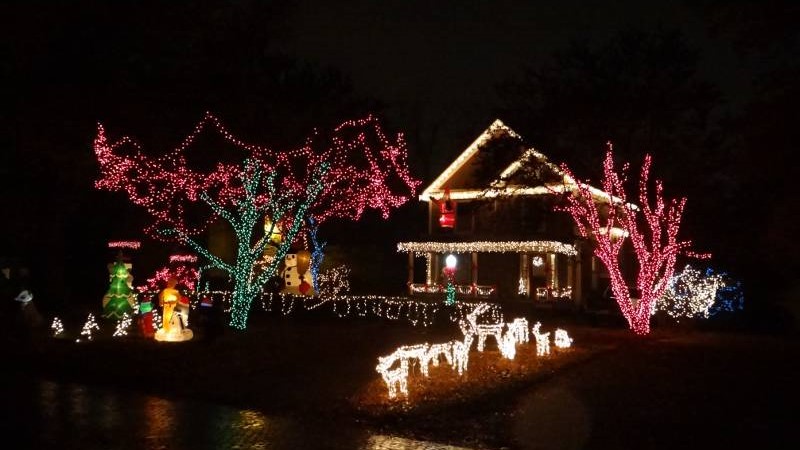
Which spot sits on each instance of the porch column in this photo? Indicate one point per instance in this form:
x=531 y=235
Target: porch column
x=524 y=288
x=410 y=272
x=553 y=270
x=429 y=268
x=474 y=270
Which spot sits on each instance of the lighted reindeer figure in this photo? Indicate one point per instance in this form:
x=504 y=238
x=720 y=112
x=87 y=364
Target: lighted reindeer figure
x=519 y=329
x=399 y=376
x=542 y=340
x=395 y=379
x=461 y=354
x=435 y=351
x=508 y=345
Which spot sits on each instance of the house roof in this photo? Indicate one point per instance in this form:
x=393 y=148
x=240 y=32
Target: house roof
x=503 y=184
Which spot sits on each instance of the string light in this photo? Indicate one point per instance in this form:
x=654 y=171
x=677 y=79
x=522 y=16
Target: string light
x=123 y=325
x=420 y=248
x=57 y=327
x=358 y=168
x=652 y=227
x=562 y=339
x=182 y=258
x=542 y=340
x=690 y=293
x=133 y=245
x=91 y=324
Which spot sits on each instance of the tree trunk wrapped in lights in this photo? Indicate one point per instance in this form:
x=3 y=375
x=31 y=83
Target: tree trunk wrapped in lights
x=652 y=227
x=357 y=168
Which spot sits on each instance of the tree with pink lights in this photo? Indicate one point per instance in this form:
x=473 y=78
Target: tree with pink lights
x=357 y=167
x=652 y=225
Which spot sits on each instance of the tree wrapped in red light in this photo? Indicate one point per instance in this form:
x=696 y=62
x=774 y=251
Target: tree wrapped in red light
x=355 y=168
x=652 y=226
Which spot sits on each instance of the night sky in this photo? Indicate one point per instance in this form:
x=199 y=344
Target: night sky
x=719 y=91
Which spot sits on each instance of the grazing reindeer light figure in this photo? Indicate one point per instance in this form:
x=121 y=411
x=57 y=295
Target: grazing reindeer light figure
x=542 y=340
x=519 y=329
x=394 y=378
x=461 y=354
x=508 y=345
x=434 y=352
x=562 y=339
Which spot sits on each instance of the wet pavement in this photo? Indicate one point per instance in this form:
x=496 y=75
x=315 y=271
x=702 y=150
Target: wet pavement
x=42 y=414
x=730 y=392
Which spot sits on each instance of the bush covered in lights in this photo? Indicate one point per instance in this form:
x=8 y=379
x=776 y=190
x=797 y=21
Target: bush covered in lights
x=695 y=293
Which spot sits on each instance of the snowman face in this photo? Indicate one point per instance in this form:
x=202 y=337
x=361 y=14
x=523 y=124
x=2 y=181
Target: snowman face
x=291 y=260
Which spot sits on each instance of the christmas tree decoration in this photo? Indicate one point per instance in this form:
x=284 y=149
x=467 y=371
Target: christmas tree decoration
x=354 y=169
x=123 y=325
x=652 y=227
x=120 y=298
x=562 y=339
x=57 y=327
x=88 y=327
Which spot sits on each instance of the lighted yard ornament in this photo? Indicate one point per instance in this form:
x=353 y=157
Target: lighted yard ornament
x=447 y=210
x=176 y=315
x=690 y=294
x=542 y=340
x=146 y=326
x=354 y=168
x=88 y=327
x=167 y=300
x=57 y=327
x=303 y=269
x=122 y=326
x=652 y=226
x=119 y=299
x=562 y=339
x=450 y=275
x=291 y=275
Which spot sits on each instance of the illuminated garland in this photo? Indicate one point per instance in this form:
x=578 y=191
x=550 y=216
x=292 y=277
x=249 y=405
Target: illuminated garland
x=652 y=226
x=186 y=276
x=420 y=248
x=133 y=245
x=355 y=170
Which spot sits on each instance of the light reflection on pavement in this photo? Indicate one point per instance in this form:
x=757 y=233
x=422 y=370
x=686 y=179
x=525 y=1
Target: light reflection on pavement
x=45 y=414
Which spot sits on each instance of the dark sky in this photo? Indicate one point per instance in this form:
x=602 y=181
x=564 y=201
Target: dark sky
x=439 y=62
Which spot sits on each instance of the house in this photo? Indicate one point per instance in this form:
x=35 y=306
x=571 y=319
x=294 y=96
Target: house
x=493 y=209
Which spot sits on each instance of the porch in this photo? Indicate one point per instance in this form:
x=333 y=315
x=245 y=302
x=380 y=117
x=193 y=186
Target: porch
x=542 y=271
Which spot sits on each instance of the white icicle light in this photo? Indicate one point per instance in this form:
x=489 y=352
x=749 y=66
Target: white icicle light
x=562 y=339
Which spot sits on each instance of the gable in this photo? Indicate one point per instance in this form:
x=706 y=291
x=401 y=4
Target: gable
x=493 y=165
